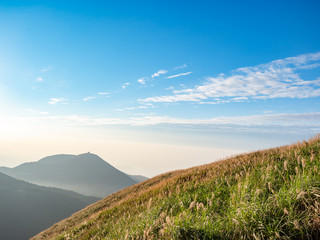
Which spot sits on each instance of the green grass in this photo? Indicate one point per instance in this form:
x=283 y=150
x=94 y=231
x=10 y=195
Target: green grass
x=271 y=194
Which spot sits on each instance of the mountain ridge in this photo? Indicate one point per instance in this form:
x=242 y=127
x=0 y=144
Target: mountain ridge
x=85 y=173
x=26 y=208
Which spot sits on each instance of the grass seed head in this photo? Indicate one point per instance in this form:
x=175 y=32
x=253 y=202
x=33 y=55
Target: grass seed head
x=168 y=221
x=192 y=204
x=161 y=232
x=301 y=194
x=200 y=206
x=235 y=221
x=162 y=215
x=296 y=224
x=238 y=211
x=258 y=191
x=303 y=162
x=209 y=202
x=149 y=204
x=298 y=159
x=285 y=164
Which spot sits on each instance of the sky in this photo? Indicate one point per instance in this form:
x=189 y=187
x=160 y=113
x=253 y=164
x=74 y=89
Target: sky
x=154 y=86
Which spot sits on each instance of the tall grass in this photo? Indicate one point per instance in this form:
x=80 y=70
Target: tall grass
x=271 y=194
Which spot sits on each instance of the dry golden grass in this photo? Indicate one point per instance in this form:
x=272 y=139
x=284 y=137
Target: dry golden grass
x=273 y=193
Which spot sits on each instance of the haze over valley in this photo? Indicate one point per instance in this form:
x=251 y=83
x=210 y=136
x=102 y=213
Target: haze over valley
x=27 y=209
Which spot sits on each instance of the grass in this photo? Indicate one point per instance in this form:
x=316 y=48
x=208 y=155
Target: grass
x=270 y=194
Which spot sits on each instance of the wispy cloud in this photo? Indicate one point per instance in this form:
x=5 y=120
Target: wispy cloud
x=267 y=120
x=142 y=80
x=180 y=74
x=125 y=85
x=277 y=79
x=88 y=98
x=54 y=101
x=103 y=93
x=157 y=74
x=180 y=67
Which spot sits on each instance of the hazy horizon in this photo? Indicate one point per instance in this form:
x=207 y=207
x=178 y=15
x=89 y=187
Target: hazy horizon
x=156 y=86
x=134 y=154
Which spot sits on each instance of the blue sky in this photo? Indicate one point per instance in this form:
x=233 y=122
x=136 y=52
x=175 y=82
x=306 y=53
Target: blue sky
x=198 y=80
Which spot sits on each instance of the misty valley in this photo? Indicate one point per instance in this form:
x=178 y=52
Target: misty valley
x=36 y=195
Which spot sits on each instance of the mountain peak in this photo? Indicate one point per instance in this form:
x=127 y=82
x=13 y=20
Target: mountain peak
x=87 y=154
x=86 y=173
x=88 y=157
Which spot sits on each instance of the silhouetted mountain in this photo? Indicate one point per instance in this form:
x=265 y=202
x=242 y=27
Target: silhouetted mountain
x=26 y=209
x=87 y=174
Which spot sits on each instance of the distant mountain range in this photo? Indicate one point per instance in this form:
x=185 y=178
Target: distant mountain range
x=86 y=174
x=26 y=209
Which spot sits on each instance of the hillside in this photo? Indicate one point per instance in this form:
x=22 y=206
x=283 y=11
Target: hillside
x=87 y=174
x=268 y=194
x=26 y=209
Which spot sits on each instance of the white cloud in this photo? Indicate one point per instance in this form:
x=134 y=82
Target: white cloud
x=103 y=93
x=54 y=101
x=125 y=85
x=88 y=98
x=180 y=74
x=277 y=79
x=39 y=79
x=157 y=74
x=142 y=81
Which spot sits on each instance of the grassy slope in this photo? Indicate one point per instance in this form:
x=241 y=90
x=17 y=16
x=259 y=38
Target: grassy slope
x=268 y=194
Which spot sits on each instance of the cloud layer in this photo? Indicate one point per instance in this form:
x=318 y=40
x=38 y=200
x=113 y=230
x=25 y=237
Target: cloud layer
x=277 y=79
x=279 y=120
